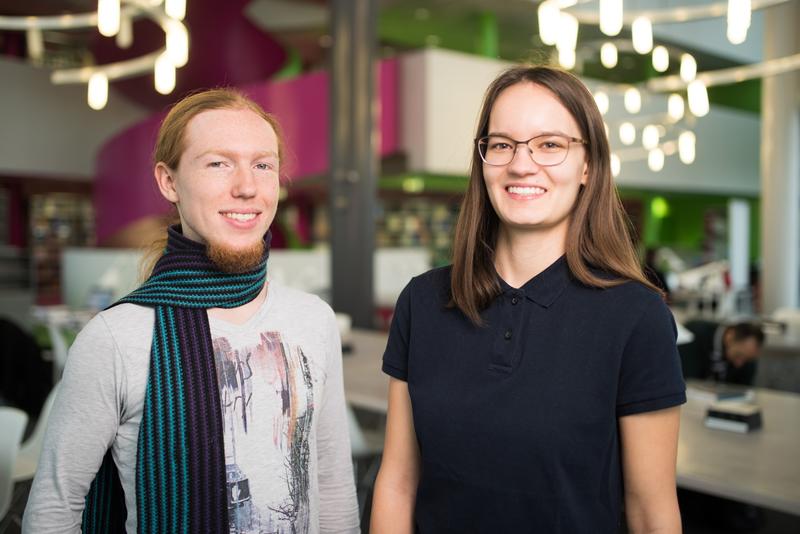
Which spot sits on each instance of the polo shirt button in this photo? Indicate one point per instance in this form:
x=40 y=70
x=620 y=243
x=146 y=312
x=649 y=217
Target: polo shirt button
x=514 y=300
x=507 y=335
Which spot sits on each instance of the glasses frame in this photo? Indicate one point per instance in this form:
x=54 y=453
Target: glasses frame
x=572 y=140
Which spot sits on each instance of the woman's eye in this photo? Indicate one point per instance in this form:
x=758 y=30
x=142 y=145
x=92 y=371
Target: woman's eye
x=500 y=146
x=551 y=145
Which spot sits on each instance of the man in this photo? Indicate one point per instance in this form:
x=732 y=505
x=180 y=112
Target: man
x=722 y=352
x=208 y=400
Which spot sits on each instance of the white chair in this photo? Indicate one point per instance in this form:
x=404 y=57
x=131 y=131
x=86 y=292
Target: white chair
x=12 y=426
x=29 y=452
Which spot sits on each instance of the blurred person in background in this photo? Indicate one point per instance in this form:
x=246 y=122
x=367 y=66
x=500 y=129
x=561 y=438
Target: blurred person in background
x=207 y=400
x=535 y=383
x=722 y=352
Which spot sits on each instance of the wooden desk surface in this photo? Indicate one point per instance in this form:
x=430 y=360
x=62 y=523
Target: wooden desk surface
x=761 y=468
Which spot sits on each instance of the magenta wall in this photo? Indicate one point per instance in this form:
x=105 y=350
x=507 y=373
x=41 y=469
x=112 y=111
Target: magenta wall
x=125 y=191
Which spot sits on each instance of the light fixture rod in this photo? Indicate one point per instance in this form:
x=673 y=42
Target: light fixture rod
x=730 y=75
x=671 y=14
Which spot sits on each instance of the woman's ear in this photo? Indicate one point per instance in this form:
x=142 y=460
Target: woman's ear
x=585 y=175
x=166 y=182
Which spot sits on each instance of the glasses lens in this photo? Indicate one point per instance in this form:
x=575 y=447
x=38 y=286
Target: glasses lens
x=549 y=149
x=545 y=150
x=496 y=150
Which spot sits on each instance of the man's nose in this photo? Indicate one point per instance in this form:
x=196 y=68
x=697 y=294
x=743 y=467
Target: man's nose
x=244 y=184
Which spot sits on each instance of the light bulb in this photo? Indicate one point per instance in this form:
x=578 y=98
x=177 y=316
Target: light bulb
x=698 y=98
x=177 y=44
x=642 y=34
x=686 y=147
x=660 y=58
x=608 y=55
x=164 y=74
x=108 y=17
x=549 y=15
x=601 y=98
x=650 y=136
x=175 y=9
x=610 y=17
x=739 y=14
x=124 y=37
x=627 y=133
x=675 y=106
x=566 y=58
x=655 y=159
x=97 y=91
x=616 y=165
x=633 y=100
x=567 y=32
x=35 y=43
x=688 y=68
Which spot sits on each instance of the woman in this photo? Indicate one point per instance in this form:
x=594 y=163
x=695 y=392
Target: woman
x=535 y=383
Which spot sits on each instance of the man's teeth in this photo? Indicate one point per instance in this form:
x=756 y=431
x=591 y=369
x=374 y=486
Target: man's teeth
x=240 y=216
x=519 y=190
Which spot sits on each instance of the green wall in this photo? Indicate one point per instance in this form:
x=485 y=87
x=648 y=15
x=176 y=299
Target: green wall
x=683 y=227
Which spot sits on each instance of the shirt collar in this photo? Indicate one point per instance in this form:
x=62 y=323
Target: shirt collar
x=545 y=287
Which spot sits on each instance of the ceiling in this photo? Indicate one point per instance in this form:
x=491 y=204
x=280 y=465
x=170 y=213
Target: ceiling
x=295 y=31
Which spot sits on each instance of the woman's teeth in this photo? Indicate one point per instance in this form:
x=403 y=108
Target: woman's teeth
x=519 y=190
x=240 y=216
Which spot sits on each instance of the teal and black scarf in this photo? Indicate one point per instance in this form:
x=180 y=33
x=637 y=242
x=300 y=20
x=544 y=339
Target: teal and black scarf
x=180 y=462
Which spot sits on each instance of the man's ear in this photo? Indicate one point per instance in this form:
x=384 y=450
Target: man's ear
x=166 y=182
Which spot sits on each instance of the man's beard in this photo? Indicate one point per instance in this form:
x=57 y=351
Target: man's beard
x=235 y=261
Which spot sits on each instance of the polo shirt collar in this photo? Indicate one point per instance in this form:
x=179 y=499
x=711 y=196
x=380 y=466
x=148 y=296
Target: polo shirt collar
x=545 y=287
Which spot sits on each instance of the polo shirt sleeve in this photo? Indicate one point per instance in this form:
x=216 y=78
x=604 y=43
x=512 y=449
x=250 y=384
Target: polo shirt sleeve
x=650 y=374
x=395 y=358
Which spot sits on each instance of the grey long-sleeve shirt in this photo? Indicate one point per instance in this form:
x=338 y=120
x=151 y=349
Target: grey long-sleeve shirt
x=280 y=378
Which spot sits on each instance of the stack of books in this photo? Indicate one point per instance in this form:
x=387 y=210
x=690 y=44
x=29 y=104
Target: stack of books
x=734 y=416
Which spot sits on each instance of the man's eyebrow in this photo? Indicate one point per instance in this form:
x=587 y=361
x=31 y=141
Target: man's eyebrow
x=232 y=155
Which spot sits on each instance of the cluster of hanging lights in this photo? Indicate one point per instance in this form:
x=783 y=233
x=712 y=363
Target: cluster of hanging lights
x=556 y=22
x=114 y=18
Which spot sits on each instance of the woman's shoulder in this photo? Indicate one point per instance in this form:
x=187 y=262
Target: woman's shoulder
x=623 y=294
x=433 y=282
x=436 y=277
x=431 y=288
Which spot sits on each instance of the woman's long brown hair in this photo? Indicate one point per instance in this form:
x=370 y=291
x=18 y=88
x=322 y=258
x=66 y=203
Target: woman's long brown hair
x=599 y=236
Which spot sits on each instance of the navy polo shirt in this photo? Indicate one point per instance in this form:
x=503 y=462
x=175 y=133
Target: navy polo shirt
x=517 y=420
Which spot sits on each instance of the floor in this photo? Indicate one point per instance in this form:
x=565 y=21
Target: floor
x=696 y=519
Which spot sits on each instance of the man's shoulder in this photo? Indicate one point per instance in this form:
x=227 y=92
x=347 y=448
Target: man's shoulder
x=126 y=316
x=124 y=325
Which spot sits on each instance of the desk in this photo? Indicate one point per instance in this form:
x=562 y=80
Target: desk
x=761 y=468
x=779 y=363
x=365 y=385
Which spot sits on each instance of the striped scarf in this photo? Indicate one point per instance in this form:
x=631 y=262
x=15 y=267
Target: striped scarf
x=180 y=461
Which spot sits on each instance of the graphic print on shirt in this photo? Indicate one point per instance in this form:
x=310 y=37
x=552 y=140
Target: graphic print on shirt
x=267 y=398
